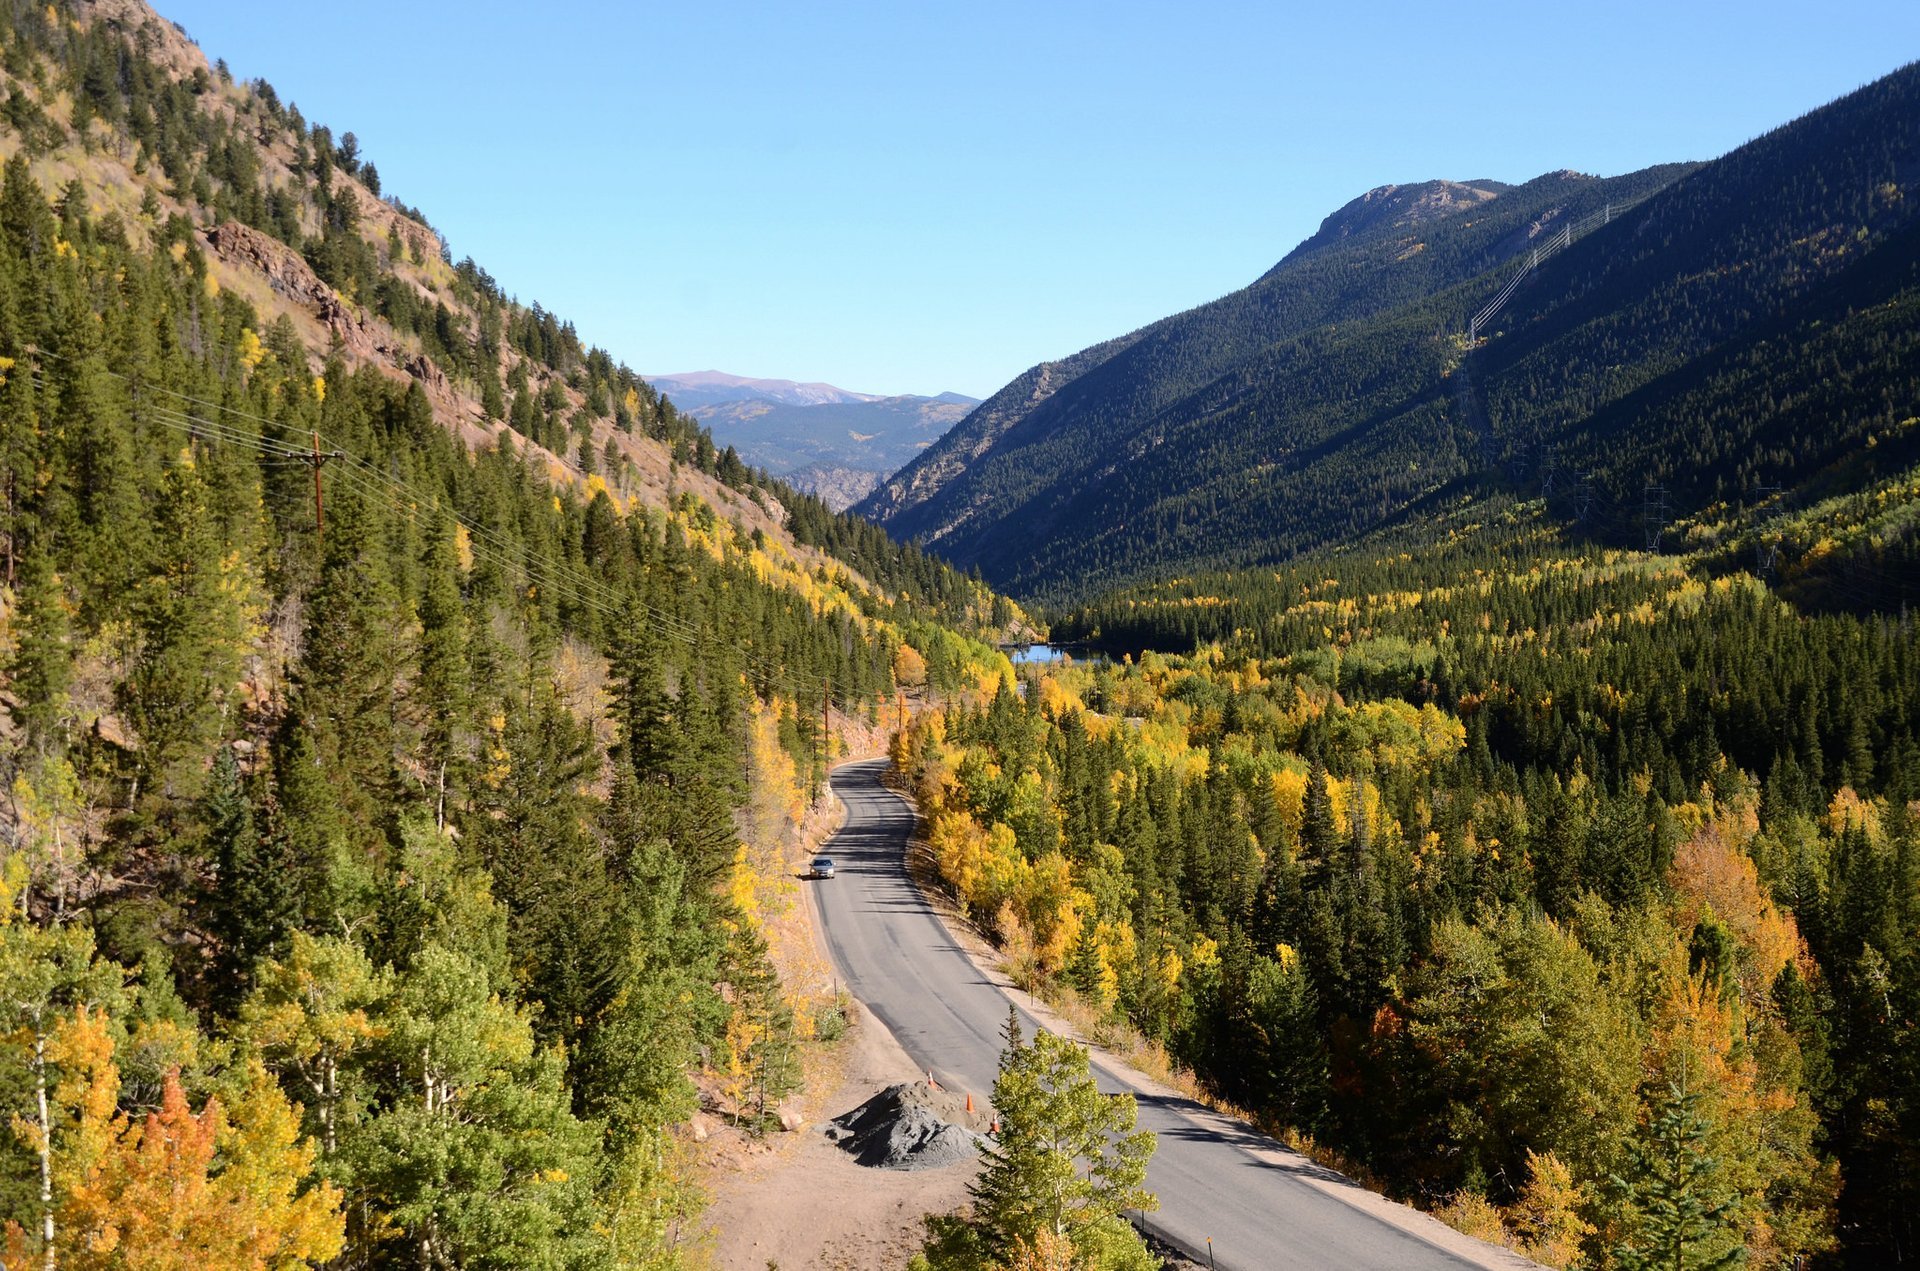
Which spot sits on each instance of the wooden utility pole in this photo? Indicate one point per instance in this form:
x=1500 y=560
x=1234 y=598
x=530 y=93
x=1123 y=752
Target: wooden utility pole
x=826 y=729
x=318 y=460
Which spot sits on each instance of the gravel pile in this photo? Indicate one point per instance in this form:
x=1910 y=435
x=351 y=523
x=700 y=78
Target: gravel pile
x=910 y=1127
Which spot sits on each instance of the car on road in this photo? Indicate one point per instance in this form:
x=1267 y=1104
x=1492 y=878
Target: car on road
x=822 y=867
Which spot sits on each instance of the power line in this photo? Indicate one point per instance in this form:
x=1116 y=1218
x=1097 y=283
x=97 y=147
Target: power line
x=369 y=480
x=1540 y=255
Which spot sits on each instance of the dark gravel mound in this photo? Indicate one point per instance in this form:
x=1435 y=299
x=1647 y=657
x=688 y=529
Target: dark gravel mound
x=907 y=1127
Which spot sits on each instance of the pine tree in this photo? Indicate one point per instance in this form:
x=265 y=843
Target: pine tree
x=43 y=659
x=642 y=708
x=254 y=902
x=1687 y=1219
x=192 y=633
x=442 y=690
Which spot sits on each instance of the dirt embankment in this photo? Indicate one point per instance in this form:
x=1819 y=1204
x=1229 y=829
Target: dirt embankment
x=799 y=1201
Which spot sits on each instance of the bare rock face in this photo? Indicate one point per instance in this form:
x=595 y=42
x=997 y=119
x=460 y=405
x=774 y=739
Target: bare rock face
x=280 y=265
x=290 y=277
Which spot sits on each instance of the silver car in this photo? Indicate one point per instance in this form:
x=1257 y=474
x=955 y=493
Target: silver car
x=822 y=867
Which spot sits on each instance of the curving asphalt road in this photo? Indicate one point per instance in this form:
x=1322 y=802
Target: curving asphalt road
x=1265 y=1208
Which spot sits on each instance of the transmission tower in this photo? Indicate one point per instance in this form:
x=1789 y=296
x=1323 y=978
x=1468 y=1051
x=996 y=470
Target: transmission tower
x=1583 y=498
x=1766 y=549
x=1653 y=514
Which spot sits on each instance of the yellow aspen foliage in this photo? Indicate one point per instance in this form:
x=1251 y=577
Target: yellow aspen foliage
x=1116 y=950
x=909 y=667
x=1341 y=795
x=960 y=850
x=265 y=1160
x=252 y=351
x=1016 y=945
x=779 y=804
x=737 y=1073
x=1469 y=1212
x=1848 y=811
x=48 y=809
x=499 y=763
x=154 y=1200
x=89 y=1088
x=901 y=751
x=1043 y=1251
x=1713 y=873
x=1546 y=1217
x=1290 y=796
x=1057 y=700
x=742 y=891
x=1170 y=970
x=1050 y=905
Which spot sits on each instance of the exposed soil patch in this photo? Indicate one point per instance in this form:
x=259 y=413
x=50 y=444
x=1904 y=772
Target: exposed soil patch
x=798 y=1201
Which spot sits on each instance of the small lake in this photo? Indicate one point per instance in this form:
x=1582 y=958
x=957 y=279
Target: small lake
x=1048 y=654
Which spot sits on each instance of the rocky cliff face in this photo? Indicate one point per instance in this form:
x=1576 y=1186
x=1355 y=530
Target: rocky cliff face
x=1399 y=207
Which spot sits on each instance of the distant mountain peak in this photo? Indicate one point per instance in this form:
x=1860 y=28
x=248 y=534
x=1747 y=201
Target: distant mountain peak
x=710 y=386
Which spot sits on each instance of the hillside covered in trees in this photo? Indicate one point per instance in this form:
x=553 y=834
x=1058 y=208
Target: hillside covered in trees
x=403 y=711
x=1571 y=892
x=1717 y=338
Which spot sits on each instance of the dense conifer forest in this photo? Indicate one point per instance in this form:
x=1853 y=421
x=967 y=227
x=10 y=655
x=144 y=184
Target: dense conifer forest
x=404 y=710
x=388 y=812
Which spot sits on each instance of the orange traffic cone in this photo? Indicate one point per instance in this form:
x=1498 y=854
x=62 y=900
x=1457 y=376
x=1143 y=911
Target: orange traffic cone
x=931 y=1083
x=969 y=1103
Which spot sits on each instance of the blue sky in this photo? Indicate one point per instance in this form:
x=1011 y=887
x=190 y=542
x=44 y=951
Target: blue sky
x=911 y=197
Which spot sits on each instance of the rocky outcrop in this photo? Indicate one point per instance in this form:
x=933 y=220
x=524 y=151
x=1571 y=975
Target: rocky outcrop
x=289 y=276
x=1399 y=207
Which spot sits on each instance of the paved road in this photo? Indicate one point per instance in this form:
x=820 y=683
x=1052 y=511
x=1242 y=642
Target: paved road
x=1214 y=1177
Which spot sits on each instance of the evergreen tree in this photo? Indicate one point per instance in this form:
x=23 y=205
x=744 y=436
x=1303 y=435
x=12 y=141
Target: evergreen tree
x=443 y=686
x=254 y=903
x=1686 y=1216
x=42 y=664
x=192 y=631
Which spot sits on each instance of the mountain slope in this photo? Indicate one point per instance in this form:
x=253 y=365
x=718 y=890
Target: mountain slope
x=1731 y=331
x=279 y=212
x=1015 y=469
x=405 y=712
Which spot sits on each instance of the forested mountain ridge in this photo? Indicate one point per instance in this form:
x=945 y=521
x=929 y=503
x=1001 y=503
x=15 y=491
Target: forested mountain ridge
x=403 y=711
x=1738 y=329
x=1056 y=448
x=282 y=213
